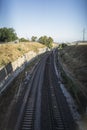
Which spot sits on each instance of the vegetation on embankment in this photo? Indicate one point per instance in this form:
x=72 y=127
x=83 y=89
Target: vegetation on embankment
x=9 y=52
x=12 y=47
x=74 y=62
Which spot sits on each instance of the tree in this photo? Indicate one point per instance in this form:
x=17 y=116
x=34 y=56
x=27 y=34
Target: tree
x=50 y=41
x=43 y=40
x=33 y=38
x=7 y=34
x=23 y=40
x=46 y=41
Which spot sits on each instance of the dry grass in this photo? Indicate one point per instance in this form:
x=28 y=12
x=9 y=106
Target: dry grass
x=10 y=52
x=74 y=61
x=75 y=58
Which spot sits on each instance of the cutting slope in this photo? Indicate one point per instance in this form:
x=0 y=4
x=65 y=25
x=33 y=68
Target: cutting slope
x=75 y=58
x=74 y=63
x=10 y=52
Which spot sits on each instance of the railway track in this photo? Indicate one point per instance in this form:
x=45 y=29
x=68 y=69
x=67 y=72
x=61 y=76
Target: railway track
x=31 y=103
x=45 y=106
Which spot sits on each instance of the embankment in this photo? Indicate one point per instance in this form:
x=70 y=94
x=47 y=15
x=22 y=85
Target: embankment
x=15 y=57
x=73 y=62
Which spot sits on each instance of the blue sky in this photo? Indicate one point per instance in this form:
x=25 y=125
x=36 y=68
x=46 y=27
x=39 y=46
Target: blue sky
x=63 y=20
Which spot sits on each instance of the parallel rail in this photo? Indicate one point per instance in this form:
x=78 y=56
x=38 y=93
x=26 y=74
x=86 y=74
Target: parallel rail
x=55 y=111
x=45 y=107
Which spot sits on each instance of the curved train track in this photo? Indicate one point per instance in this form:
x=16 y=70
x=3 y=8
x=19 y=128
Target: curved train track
x=44 y=106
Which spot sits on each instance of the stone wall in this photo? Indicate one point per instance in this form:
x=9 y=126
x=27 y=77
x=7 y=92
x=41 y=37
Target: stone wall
x=11 y=69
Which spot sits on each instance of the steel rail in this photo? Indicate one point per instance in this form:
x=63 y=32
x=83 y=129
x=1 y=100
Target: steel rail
x=27 y=116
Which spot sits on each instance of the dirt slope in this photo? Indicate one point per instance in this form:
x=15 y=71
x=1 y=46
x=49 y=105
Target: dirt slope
x=75 y=58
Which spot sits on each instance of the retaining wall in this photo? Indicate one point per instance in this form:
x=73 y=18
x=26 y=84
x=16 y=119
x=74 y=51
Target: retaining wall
x=7 y=72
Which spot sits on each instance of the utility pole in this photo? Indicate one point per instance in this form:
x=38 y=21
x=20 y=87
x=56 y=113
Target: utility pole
x=83 y=34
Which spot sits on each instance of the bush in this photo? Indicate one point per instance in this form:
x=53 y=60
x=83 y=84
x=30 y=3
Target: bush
x=23 y=40
x=62 y=45
x=33 y=38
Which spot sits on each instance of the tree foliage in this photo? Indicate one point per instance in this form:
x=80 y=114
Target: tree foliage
x=23 y=40
x=62 y=45
x=7 y=34
x=46 y=41
x=33 y=38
